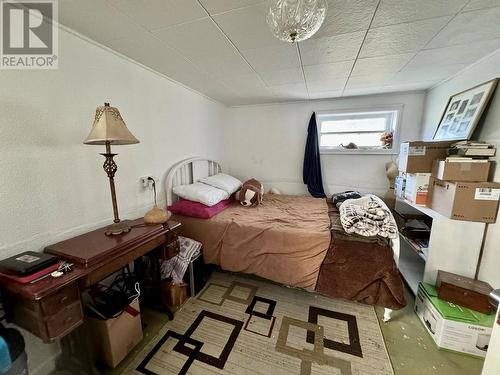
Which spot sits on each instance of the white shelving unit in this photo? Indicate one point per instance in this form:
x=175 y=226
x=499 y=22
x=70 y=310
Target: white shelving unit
x=454 y=246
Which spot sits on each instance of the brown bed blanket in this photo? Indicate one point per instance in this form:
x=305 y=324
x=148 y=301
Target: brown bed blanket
x=360 y=269
x=285 y=239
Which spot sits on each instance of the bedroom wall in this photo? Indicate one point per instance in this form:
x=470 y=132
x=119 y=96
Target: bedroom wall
x=52 y=186
x=489 y=131
x=267 y=142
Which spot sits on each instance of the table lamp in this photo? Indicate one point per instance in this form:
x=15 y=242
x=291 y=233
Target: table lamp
x=109 y=128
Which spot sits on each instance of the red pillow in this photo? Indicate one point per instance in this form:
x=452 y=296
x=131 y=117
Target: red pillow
x=199 y=210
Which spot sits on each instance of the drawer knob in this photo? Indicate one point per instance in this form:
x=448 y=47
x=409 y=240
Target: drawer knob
x=68 y=319
x=63 y=299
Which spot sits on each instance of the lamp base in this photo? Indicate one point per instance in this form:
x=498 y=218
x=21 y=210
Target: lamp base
x=118 y=228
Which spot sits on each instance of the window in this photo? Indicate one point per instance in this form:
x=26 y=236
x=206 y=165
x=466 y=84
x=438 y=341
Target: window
x=358 y=130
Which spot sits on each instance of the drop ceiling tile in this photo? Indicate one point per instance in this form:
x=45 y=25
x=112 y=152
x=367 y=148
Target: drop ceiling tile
x=264 y=93
x=366 y=91
x=249 y=81
x=421 y=85
x=392 y=12
x=374 y=80
x=282 y=77
x=389 y=88
x=346 y=16
x=469 y=27
x=148 y=50
x=429 y=72
x=96 y=19
x=247 y=28
x=401 y=38
x=342 y=47
x=459 y=54
x=221 y=93
x=293 y=91
x=326 y=85
x=283 y=56
x=325 y=94
x=380 y=64
x=250 y=88
x=219 y=6
x=328 y=71
x=156 y=14
x=255 y=100
x=481 y=4
x=197 y=39
x=231 y=64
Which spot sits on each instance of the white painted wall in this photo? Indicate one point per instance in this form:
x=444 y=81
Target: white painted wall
x=435 y=103
x=53 y=186
x=267 y=142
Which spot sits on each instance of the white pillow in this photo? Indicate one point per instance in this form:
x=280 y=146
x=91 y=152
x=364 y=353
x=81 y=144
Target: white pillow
x=202 y=193
x=223 y=181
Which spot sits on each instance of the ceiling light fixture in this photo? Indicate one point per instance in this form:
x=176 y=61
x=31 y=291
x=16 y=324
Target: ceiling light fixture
x=295 y=20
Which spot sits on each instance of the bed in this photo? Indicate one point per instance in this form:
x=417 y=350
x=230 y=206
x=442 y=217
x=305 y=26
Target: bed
x=292 y=240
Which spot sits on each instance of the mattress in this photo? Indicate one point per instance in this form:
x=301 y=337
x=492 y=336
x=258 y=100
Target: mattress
x=285 y=239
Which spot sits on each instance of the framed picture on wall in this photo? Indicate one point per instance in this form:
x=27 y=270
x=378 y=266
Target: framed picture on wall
x=463 y=112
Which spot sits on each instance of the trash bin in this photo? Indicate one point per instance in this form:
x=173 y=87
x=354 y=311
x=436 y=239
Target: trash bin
x=19 y=358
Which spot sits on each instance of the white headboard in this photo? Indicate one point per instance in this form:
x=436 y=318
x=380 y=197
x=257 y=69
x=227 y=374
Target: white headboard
x=188 y=171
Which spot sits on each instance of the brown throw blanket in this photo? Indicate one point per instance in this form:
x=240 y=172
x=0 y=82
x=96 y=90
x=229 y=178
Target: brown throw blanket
x=351 y=271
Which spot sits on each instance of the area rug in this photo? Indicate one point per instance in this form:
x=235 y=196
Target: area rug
x=242 y=325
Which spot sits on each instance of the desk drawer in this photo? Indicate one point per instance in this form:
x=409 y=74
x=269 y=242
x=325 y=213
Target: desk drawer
x=59 y=300
x=69 y=317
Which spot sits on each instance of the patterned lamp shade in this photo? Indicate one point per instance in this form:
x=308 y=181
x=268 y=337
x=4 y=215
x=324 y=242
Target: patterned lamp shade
x=109 y=127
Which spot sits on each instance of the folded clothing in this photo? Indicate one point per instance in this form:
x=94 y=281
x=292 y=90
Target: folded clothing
x=202 y=193
x=199 y=210
x=339 y=198
x=368 y=216
x=176 y=266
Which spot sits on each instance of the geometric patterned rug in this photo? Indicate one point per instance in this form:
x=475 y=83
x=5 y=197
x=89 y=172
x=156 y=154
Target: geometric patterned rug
x=240 y=325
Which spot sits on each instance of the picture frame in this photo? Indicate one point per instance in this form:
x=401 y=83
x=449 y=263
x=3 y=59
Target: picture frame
x=463 y=112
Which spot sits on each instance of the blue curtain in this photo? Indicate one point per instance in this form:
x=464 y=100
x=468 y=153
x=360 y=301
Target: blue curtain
x=311 y=173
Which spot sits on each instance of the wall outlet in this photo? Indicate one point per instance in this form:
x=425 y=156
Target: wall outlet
x=146 y=183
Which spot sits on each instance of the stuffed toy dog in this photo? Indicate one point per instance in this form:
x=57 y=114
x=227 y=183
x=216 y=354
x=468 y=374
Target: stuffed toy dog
x=251 y=193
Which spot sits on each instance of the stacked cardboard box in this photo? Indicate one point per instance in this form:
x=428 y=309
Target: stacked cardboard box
x=415 y=166
x=451 y=178
x=460 y=188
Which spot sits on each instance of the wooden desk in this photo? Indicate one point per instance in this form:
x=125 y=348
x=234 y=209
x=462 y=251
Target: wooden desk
x=52 y=308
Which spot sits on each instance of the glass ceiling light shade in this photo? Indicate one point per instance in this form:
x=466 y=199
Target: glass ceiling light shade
x=295 y=20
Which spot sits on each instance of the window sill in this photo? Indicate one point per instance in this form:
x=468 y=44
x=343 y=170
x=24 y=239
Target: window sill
x=358 y=152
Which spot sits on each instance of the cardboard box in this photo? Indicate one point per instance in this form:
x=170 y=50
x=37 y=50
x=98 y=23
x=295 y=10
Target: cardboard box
x=114 y=338
x=453 y=327
x=418 y=156
x=468 y=201
x=461 y=170
x=416 y=188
